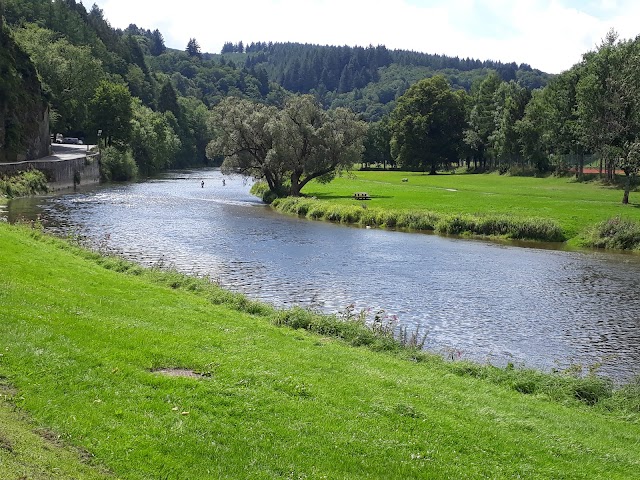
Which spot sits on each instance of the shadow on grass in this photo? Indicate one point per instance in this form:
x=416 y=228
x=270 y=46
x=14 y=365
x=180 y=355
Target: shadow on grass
x=330 y=196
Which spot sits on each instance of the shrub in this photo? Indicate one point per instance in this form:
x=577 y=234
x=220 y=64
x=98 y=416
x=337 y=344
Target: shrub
x=262 y=191
x=30 y=182
x=117 y=165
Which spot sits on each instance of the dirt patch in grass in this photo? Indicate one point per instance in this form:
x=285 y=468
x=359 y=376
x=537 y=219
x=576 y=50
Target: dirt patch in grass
x=6 y=444
x=7 y=390
x=179 y=372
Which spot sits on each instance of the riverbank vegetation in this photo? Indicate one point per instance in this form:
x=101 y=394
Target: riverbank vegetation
x=152 y=373
x=551 y=208
x=31 y=182
x=447 y=224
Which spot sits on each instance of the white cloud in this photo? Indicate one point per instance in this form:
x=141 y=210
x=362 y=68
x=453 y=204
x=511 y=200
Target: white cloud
x=547 y=34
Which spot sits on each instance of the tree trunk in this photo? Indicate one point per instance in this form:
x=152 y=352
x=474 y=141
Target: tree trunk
x=627 y=188
x=295 y=184
x=600 y=167
x=580 y=169
x=432 y=169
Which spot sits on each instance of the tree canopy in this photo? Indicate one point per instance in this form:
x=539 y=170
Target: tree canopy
x=112 y=112
x=287 y=147
x=427 y=125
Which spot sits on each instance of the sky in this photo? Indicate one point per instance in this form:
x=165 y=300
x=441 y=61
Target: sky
x=550 y=35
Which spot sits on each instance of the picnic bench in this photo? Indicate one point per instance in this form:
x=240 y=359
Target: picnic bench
x=361 y=196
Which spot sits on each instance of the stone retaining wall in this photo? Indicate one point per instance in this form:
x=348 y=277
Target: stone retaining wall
x=61 y=174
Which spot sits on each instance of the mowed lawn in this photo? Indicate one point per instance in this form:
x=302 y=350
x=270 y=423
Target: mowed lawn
x=574 y=206
x=81 y=344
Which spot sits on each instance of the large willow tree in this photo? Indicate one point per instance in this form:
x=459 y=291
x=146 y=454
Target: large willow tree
x=287 y=147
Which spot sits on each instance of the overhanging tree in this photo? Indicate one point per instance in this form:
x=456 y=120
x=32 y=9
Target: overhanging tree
x=241 y=136
x=297 y=144
x=316 y=144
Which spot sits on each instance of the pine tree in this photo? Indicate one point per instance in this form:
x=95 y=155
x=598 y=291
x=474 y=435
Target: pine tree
x=168 y=100
x=157 y=46
x=227 y=48
x=193 y=48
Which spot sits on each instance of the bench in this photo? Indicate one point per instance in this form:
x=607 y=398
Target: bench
x=361 y=196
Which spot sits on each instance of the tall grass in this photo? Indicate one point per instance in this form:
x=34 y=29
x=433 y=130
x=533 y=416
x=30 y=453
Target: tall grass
x=501 y=225
x=614 y=233
x=530 y=228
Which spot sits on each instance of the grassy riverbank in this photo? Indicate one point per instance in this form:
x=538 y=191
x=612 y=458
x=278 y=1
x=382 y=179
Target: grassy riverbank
x=83 y=339
x=573 y=207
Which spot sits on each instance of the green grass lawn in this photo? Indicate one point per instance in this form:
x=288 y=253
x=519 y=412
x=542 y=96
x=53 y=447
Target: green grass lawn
x=80 y=343
x=574 y=206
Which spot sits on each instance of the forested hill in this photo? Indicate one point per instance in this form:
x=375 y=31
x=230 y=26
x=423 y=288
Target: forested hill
x=367 y=79
x=81 y=59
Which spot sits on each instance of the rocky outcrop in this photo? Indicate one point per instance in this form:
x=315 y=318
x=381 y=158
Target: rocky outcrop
x=24 y=112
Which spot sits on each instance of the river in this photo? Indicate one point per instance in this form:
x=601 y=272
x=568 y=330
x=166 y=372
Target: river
x=476 y=299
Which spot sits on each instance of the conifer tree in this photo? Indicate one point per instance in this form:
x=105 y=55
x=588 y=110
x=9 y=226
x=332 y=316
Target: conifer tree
x=157 y=46
x=193 y=48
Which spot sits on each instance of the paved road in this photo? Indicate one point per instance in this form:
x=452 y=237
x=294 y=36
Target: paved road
x=60 y=153
x=67 y=152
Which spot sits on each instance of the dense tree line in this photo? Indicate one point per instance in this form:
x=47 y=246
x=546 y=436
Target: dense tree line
x=23 y=105
x=592 y=109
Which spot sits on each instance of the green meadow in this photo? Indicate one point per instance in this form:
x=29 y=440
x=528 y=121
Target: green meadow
x=109 y=370
x=573 y=206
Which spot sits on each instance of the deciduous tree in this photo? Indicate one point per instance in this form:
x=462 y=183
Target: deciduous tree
x=298 y=143
x=241 y=135
x=427 y=125
x=111 y=112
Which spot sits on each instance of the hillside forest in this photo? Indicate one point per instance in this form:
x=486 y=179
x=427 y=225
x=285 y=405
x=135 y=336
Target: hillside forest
x=155 y=107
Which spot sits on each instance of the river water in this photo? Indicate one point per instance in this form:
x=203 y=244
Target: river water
x=479 y=300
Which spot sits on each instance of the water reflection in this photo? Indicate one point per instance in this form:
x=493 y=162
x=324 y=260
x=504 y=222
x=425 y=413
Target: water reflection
x=541 y=308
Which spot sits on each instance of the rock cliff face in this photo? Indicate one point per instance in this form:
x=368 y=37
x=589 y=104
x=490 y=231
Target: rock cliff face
x=24 y=113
